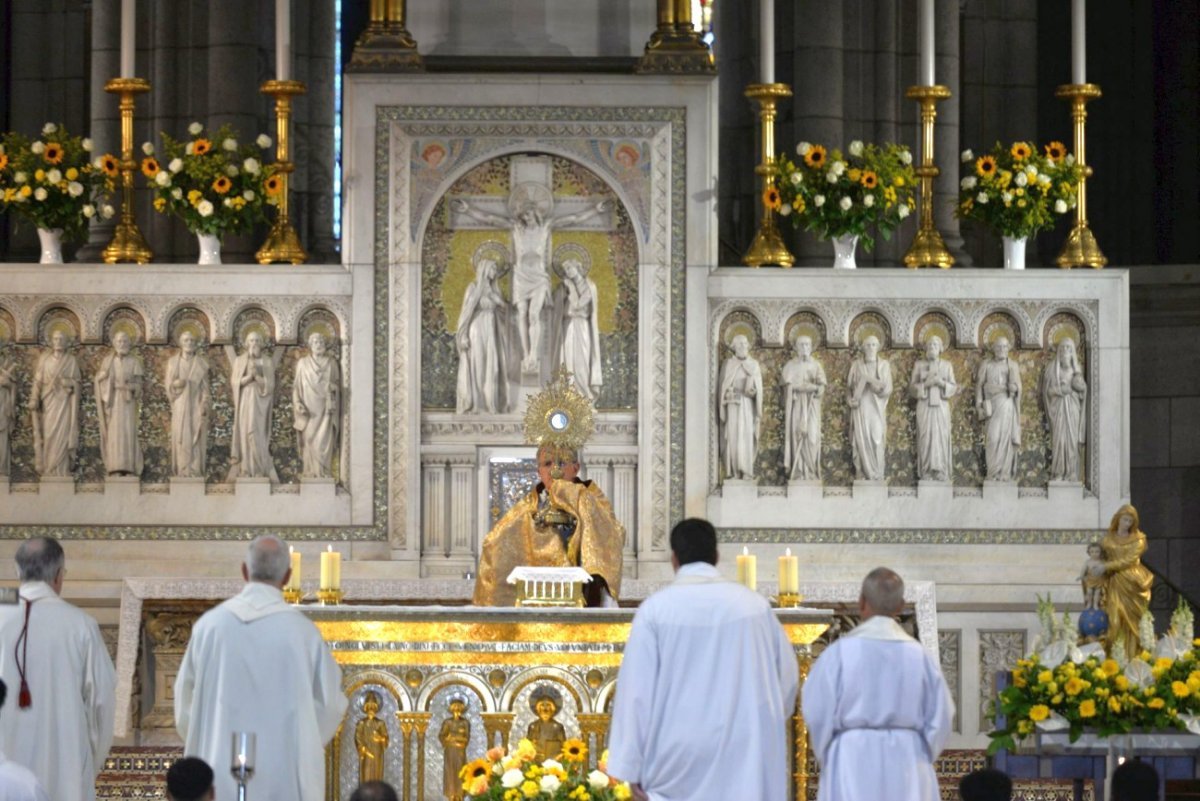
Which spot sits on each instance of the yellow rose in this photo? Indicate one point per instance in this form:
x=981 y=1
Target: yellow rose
x=1114 y=704
x=1180 y=689
x=479 y=785
x=622 y=792
x=1039 y=712
x=530 y=789
x=1075 y=686
x=72 y=173
x=1019 y=679
x=25 y=191
x=1045 y=677
x=1087 y=709
x=39 y=175
x=1163 y=663
x=854 y=174
x=526 y=749
x=1156 y=703
x=1024 y=727
x=1121 y=683
x=1057 y=699
x=1101 y=693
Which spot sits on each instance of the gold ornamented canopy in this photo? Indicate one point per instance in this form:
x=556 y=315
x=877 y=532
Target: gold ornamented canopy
x=559 y=415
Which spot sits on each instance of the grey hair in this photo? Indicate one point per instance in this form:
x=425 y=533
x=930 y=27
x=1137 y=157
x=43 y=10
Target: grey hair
x=268 y=559
x=883 y=590
x=40 y=559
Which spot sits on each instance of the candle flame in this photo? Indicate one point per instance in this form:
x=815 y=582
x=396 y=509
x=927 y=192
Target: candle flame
x=789 y=552
x=291 y=549
x=329 y=548
x=745 y=551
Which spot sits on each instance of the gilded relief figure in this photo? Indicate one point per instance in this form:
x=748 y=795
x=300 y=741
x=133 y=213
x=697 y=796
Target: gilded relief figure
x=546 y=733
x=371 y=739
x=1127 y=588
x=454 y=736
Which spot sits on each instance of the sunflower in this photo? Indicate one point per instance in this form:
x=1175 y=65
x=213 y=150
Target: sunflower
x=150 y=167
x=201 y=146
x=770 y=197
x=985 y=166
x=53 y=153
x=1056 y=151
x=222 y=185
x=110 y=165
x=3 y=161
x=473 y=770
x=815 y=157
x=869 y=179
x=574 y=750
x=274 y=185
x=1021 y=150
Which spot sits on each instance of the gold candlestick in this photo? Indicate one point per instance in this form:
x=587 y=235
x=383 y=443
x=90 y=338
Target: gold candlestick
x=676 y=47
x=1081 y=248
x=282 y=243
x=788 y=600
x=128 y=244
x=927 y=249
x=331 y=597
x=767 y=247
x=292 y=596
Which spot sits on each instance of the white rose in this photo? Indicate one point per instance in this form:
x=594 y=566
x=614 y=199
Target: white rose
x=552 y=764
x=231 y=170
x=229 y=144
x=550 y=783
x=1006 y=197
x=86 y=144
x=75 y=188
x=1043 y=180
x=148 y=148
x=263 y=141
x=845 y=203
x=227 y=202
x=20 y=177
x=869 y=201
x=249 y=194
x=902 y=211
x=512 y=778
x=856 y=148
x=838 y=167
x=967 y=155
x=89 y=210
x=38 y=147
x=498 y=769
x=176 y=165
x=195 y=128
x=597 y=780
x=785 y=210
x=819 y=201
x=98 y=163
x=188 y=148
x=797 y=179
x=107 y=211
x=204 y=208
x=831 y=177
x=1070 y=159
x=177 y=193
x=1022 y=179
x=1060 y=206
x=40 y=193
x=49 y=128
x=906 y=156
x=803 y=148
x=163 y=178
x=982 y=198
x=969 y=182
x=53 y=176
x=251 y=166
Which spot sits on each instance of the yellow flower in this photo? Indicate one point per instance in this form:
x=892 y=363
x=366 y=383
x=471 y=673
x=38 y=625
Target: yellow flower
x=1019 y=679
x=854 y=173
x=869 y=179
x=477 y=786
x=622 y=792
x=110 y=165
x=770 y=198
x=530 y=789
x=1121 y=683
x=1052 y=687
x=1024 y=727
x=25 y=191
x=574 y=750
x=160 y=203
x=1004 y=179
x=1020 y=150
x=72 y=173
x=53 y=153
x=222 y=185
x=1039 y=712
x=1156 y=703
x=602 y=763
x=512 y=795
x=201 y=146
x=1075 y=686
x=815 y=157
x=39 y=175
x=195 y=196
x=1045 y=677
x=1149 y=691
x=1099 y=675
x=1087 y=709
x=274 y=185
x=898 y=180
x=1057 y=699
x=1163 y=663
x=1021 y=203
x=1056 y=151
x=889 y=195
x=1114 y=704
x=985 y=166
x=3 y=161
x=150 y=167
x=1101 y=693
x=1180 y=689
x=526 y=749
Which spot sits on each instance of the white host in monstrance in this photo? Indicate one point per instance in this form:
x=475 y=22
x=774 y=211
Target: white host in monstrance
x=868 y=388
x=933 y=385
x=740 y=400
x=803 y=388
x=998 y=401
x=1064 y=392
x=316 y=407
x=187 y=387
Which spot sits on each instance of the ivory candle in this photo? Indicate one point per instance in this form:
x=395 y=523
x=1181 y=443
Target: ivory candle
x=331 y=569
x=294 y=579
x=283 y=39
x=766 y=39
x=128 y=45
x=747 y=569
x=925 y=41
x=1078 y=41
x=789 y=573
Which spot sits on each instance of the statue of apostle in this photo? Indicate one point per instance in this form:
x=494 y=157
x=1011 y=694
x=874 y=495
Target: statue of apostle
x=868 y=389
x=803 y=387
x=187 y=388
x=253 y=383
x=371 y=739
x=54 y=403
x=739 y=396
x=118 y=392
x=8 y=410
x=593 y=540
x=1064 y=393
x=933 y=385
x=316 y=408
x=998 y=401
x=455 y=736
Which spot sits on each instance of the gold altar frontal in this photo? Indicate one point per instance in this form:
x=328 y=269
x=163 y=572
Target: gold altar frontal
x=413 y=662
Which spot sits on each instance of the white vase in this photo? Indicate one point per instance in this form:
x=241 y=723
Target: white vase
x=1014 y=252
x=843 y=251
x=210 y=248
x=51 y=239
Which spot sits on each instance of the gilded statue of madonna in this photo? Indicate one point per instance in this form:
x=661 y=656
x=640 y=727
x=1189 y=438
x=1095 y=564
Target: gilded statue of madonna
x=1127 y=580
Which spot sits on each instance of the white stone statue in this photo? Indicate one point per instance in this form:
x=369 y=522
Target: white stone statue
x=740 y=398
x=54 y=404
x=252 y=380
x=8 y=412
x=804 y=384
x=1064 y=393
x=998 y=401
x=530 y=225
x=576 y=336
x=187 y=386
x=484 y=345
x=933 y=385
x=316 y=406
x=868 y=389
x=118 y=403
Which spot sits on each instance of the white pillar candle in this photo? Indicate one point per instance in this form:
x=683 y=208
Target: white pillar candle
x=766 y=39
x=283 y=39
x=1078 y=41
x=128 y=45
x=925 y=42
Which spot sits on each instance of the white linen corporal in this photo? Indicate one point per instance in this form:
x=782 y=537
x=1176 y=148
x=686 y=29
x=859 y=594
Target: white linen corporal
x=878 y=714
x=64 y=735
x=676 y=732
x=17 y=783
x=256 y=664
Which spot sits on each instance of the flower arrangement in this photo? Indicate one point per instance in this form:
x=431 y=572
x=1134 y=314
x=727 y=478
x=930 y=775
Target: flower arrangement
x=500 y=776
x=215 y=184
x=1017 y=191
x=833 y=194
x=53 y=182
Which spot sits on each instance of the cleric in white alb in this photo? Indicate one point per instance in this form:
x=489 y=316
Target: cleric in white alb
x=707 y=685
x=58 y=720
x=256 y=664
x=877 y=708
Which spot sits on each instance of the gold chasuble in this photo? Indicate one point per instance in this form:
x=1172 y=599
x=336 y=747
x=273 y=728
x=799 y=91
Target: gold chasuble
x=595 y=545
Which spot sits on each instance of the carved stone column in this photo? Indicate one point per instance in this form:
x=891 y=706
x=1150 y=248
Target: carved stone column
x=434 y=541
x=463 y=503
x=624 y=500
x=386 y=45
x=414 y=723
x=594 y=729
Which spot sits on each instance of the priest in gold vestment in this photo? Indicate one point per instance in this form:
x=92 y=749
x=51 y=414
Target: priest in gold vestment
x=594 y=541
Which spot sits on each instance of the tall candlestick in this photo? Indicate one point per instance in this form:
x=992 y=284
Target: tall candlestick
x=1078 y=41
x=128 y=45
x=789 y=573
x=766 y=39
x=283 y=39
x=925 y=42
x=747 y=569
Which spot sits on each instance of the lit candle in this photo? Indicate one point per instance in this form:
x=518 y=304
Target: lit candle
x=128 y=20
x=283 y=39
x=1078 y=41
x=925 y=41
x=789 y=573
x=294 y=579
x=766 y=39
x=747 y=569
x=330 y=569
